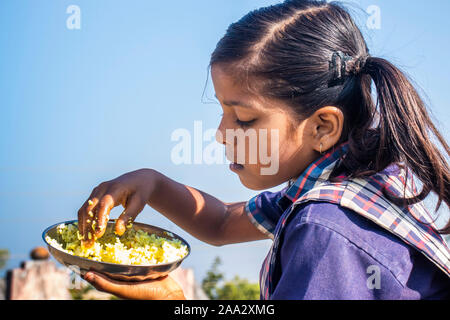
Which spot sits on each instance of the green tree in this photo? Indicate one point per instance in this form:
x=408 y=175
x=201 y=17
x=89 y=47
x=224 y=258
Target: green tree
x=78 y=294
x=4 y=256
x=213 y=277
x=238 y=289
x=235 y=289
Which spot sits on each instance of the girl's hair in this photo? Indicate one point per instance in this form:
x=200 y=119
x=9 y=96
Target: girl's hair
x=310 y=54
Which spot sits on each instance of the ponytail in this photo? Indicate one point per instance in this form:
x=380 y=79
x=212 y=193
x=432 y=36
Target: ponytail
x=309 y=54
x=403 y=133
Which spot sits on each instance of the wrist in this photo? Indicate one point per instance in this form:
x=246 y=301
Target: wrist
x=147 y=181
x=154 y=179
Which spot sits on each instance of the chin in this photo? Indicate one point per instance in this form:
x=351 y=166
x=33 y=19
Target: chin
x=259 y=184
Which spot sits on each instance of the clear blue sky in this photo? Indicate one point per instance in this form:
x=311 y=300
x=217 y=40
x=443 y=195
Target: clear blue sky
x=83 y=106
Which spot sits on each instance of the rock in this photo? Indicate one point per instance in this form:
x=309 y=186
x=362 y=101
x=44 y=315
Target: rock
x=39 y=253
x=39 y=280
x=186 y=280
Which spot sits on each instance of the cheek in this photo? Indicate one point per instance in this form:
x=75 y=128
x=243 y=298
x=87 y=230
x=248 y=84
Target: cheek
x=289 y=151
x=277 y=163
x=279 y=154
x=280 y=147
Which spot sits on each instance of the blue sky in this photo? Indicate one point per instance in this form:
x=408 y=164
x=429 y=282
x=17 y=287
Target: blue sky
x=83 y=106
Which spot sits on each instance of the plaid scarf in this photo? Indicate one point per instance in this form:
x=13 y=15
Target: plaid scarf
x=412 y=224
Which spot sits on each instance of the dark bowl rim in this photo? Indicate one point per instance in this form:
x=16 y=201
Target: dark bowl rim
x=139 y=266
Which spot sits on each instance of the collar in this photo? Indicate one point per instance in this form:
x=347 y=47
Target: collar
x=317 y=172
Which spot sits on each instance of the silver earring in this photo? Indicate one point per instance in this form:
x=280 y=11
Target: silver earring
x=321 y=146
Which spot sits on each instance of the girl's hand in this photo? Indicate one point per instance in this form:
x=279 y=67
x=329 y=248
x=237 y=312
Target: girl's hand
x=160 y=289
x=131 y=190
x=198 y=213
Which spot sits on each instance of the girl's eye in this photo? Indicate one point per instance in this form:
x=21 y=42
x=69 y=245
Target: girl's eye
x=245 y=124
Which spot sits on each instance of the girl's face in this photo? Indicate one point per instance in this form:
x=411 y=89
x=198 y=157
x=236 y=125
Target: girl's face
x=263 y=142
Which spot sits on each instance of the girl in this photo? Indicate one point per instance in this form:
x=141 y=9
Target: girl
x=350 y=224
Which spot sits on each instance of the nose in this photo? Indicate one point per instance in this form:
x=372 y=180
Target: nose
x=222 y=139
x=220 y=133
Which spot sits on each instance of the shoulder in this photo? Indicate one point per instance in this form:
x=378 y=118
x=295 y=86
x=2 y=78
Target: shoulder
x=342 y=220
x=264 y=211
x=325 y=220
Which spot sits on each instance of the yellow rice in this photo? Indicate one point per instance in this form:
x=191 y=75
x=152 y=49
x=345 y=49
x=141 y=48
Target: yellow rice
x=134 y=247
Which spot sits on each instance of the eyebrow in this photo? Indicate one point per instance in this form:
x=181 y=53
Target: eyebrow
x=233 y=103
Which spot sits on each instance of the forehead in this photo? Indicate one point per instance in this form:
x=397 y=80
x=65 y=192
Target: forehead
x=233 y=93
x=229 y=89
x=227 y=86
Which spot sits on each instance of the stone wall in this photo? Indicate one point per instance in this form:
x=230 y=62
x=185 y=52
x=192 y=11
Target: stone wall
x=43 y=280
x=39 y=280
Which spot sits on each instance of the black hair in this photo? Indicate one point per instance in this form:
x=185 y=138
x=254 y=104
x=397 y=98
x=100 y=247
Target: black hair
x=311 y=54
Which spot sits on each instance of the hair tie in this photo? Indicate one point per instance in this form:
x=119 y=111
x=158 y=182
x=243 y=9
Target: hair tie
x=342 y=65
x=360 y=64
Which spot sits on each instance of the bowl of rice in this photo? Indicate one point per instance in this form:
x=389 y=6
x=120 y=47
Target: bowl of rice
x=143 y=252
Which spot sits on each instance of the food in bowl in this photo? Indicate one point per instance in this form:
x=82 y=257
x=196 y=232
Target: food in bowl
x=134 y=247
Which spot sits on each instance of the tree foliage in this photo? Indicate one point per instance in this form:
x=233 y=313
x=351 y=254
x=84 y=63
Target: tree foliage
x=238 y=289
x=212 y=278
x=4 y=256
x=235 y=289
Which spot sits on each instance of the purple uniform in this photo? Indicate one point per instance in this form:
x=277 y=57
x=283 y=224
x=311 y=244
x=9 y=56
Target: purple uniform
x=327 y=251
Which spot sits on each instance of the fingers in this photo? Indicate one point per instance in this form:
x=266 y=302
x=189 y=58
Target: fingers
x=91 y=211
x=107 y=202
x=85 y=217
x=94 y=214
x=158 y=289
x=100 y=199
x=133 y=207
x=102 y=283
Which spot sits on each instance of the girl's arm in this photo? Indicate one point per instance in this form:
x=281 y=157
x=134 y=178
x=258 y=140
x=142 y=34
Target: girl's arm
x=197 y=212
x=203 y=215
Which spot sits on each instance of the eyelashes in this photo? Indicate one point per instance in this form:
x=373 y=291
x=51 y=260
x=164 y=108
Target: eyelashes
x=245 y=124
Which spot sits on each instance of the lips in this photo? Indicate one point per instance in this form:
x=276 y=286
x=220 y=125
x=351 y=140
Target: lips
x=236 y=166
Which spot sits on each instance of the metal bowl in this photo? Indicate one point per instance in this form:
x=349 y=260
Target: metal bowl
x=116 y=271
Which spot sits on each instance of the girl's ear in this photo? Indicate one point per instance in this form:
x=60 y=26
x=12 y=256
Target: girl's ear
x=327 y=126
